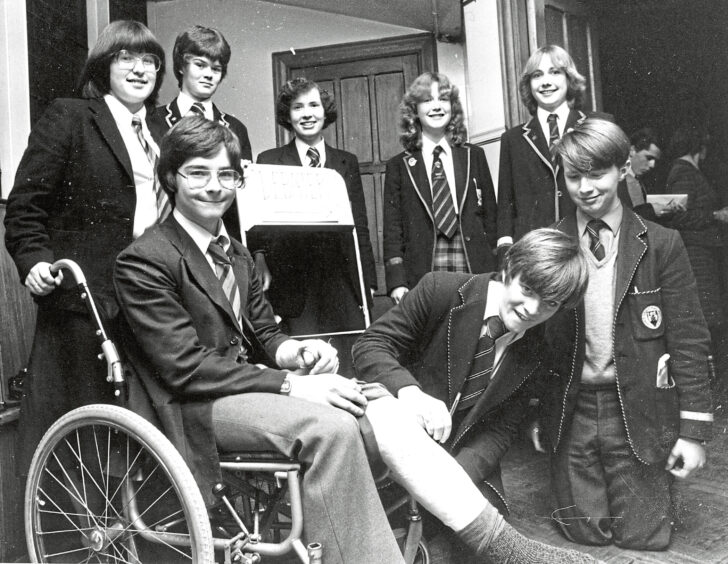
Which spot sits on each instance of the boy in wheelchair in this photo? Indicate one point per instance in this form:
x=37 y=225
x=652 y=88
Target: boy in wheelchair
x=206 y=345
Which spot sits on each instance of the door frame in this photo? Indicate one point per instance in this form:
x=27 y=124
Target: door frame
x=284 y=62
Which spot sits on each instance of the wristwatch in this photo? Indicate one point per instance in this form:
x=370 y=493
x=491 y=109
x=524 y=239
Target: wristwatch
x=285 y=387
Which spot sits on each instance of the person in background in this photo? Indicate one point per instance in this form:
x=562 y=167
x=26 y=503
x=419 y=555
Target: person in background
x=700 y=227
x=85 y=189
x=331 y=299
x=628 y=405
x=200 y=59
x=531 y=190
x=439 y=200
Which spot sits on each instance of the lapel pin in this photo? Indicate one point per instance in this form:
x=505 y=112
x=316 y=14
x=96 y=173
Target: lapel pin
x=412 y=161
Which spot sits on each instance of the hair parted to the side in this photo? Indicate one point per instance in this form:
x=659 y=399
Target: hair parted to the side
x=193 y=136
x=420 y=91
x=643 y=138
x=551 y=263
x=130 y=35
x=688 y=139
x=561 y=59
x=291 y=90
x=594 y=144
x=200 y=41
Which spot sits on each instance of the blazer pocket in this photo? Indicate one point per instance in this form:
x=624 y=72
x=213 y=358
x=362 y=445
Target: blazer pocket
x=646 y=314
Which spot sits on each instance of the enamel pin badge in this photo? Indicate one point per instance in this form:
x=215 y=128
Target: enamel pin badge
x=412 y=161
x=652 y=317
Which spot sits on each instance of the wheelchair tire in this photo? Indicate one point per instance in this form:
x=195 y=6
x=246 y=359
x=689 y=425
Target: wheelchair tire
x=105 y=485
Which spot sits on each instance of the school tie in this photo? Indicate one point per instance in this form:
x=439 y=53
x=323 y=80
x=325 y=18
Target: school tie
x=198 y=109
x=224 y=271
x=163 y=206
x=595 y=245
x=445 y=216
x=553 y=129
x=480 y=373
x=314 y=159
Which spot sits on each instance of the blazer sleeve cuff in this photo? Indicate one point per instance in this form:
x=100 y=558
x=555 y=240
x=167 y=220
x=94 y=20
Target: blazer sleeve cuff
x=696 y=425
x=395 y=273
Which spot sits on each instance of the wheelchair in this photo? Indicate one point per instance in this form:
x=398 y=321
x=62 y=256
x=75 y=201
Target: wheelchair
x=105 y=485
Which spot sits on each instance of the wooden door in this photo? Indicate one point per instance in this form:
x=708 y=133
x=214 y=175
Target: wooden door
x=367 y=80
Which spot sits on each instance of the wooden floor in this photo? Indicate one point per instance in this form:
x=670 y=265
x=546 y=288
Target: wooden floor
x=701 y=530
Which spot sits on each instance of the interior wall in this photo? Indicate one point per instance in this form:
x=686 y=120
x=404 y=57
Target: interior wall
x=257 y=29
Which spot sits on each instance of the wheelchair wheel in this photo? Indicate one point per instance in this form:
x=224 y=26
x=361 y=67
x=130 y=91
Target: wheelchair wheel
x=106 y=486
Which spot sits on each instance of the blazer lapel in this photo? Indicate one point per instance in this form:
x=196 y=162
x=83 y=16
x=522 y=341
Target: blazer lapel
x=289 y=155
x=631 y=250
x=414 y=164
x=461 y=164
x=199 y=269
x=110 y=132
x=334 y=160
x=575 y=116
x=535 y=138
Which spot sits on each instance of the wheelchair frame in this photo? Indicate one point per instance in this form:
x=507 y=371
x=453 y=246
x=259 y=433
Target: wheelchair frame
x=82 y=458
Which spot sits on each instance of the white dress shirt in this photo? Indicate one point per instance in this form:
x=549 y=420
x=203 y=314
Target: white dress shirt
x=303 y=148
x=447 y=164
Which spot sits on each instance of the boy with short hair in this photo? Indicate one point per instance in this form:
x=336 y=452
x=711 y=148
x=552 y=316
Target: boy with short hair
x=200 y=61
x=630 y=403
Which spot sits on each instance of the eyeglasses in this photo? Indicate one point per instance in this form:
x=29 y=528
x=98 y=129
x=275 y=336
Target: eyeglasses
x=127 y=60
x=198 y=178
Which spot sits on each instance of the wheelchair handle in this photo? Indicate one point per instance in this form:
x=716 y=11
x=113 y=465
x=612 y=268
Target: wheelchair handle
x=115 y=372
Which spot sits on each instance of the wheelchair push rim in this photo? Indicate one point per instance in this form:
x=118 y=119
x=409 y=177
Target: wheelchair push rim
x=107 y=486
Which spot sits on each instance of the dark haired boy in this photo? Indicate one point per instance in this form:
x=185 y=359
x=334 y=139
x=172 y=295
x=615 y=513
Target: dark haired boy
x=200 y=60
x=629 y=404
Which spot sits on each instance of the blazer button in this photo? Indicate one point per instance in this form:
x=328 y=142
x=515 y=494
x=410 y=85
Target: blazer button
x=467 y=237
x=234 y=341
x=558 y=193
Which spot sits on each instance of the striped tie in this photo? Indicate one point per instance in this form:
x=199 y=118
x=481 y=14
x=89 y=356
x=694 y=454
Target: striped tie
x=595 y=245
x=224 y=271
x=476 y=383
x=314 y=159
x=553 y=129
x=163 y=205
x=445 y=216
x=198 y=109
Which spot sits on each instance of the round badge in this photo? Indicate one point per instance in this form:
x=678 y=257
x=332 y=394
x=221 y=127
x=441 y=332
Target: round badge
x=652 y=317
x=412 y=161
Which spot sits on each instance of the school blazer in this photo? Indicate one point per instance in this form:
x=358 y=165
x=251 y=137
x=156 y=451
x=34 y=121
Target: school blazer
x=531 y=188
x=656 y=312
x=183 y=342
x=429 y=340
x=409 y=224
x=74 y=197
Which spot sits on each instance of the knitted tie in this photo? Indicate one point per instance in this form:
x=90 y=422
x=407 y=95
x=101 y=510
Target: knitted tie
x=476 y=383
x=553 y=129
x=198 y=109
x=163 y=205
x=314 y=157
x=595 y=245
x=224 y=270
x=445 y=216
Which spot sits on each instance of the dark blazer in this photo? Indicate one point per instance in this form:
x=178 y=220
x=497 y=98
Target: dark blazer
x=165 y=117
x=409 y=226
x=288 y=298
x=652 y=271
x=529 y=183
x=74 y=197
x=429 y=340
x=186 y=340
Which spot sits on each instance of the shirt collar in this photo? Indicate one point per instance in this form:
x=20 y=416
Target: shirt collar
x=562 y=112
x=302 y=147
x=121 y=113
x=428 y=146
x=613 y=219
x=185 y=101
x=199 y=234
x=495 y=293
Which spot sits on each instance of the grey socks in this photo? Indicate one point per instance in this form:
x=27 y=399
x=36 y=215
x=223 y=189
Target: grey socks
x=501 y=543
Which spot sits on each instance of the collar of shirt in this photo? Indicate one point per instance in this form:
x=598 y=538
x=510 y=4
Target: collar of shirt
x=613 y=219
x=200 y=235
x=563 y=114
x=122 y=117
x=492 y=307
x=303 y=147
x=185 y=101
